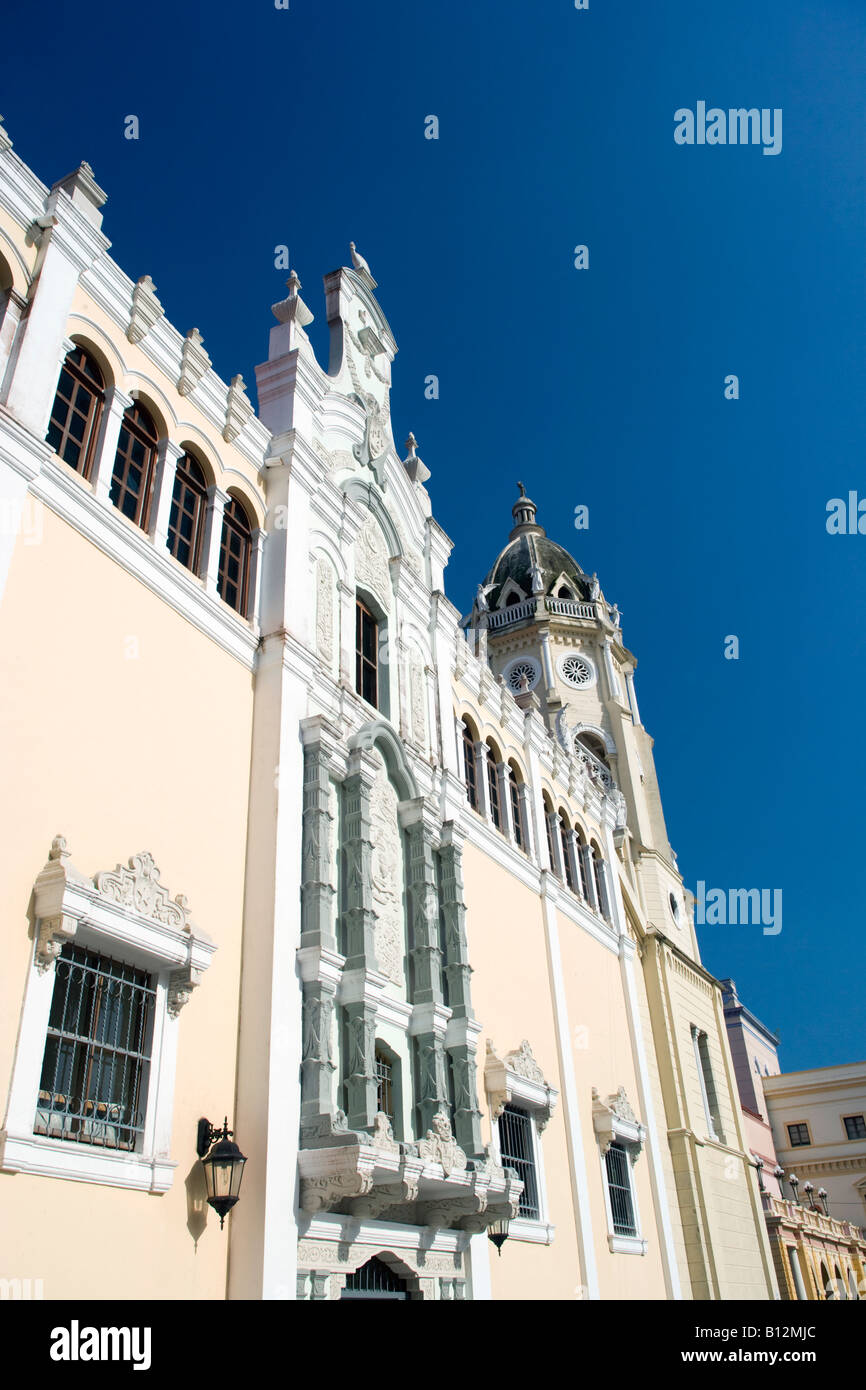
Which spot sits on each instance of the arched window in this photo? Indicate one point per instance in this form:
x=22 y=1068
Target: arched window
x=600 y=885
x=470 y=767
x=186 y=522
x=580 y=856
x=548 y=823
x=566 y=849
x=77 y=411
x=493 y=785
x=564 y=592
x=366 y=654
x=594 y=745
x=134 y=465
x=235 y=548
x=384 y=1082
x=516 y=807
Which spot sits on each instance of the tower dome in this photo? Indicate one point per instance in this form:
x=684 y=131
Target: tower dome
x=532 y=564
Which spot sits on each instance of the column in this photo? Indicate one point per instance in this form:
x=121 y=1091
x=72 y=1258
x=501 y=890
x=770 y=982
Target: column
x=167 y=458
x=317 y=1057
x=459 y=730
x=574 y=851
x=557 y=866
x=213 y=532
x=116 y=405
x=318 y=852
x=503 y=783
x=359 y=927
x=461 y=1038
x=12 y=315
x=481 y=755
x=589 y=877
x=257 y=542
x=526 y=821
x=546 y=657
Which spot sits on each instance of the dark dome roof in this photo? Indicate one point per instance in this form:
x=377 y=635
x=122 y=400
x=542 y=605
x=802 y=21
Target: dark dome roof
x=527 y=547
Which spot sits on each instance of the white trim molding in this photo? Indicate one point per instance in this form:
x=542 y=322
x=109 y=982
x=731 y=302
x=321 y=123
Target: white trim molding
x=124 y=912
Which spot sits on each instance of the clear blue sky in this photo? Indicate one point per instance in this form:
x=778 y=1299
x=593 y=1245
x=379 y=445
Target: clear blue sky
x=707 y=517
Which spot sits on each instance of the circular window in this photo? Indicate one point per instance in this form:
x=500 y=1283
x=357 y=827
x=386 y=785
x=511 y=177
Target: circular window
x=576 y=670
x=522 y=675
x=675 y=908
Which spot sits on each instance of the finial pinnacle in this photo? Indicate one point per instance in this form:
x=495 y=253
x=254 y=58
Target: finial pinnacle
x=522 y=489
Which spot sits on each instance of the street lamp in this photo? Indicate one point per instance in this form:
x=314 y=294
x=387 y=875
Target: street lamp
x=223 y=1166
x=809 y=1189
x=758 y=1164
x=822 y=1193
x=497 y=1231
x=795 y=1183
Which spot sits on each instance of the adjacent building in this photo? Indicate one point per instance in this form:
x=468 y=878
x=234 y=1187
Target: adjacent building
x=290 y=839
x=807 y=1134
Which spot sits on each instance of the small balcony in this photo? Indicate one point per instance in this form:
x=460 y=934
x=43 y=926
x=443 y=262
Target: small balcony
x=532 y=608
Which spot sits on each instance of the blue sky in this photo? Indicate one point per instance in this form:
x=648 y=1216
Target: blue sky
x=604 y=387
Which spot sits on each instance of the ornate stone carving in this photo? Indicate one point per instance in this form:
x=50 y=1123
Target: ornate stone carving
x=239 y=409
x=139 y=887
x=180 y=987
x=325 y=1193
x=371 y=560
x=146 y=310
x=194 y=363
x=383 y=1134
x=387 y=877
x=614 y=1119
x=440 y=1146
x=419 y=715
x=325 y=611
x=523 y=1063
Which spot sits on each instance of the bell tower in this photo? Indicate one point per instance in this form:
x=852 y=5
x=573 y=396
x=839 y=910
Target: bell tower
x=547 y=631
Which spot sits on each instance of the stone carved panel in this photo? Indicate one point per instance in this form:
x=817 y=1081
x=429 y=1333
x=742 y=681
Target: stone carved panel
x=325 y=611
x=371 y=560
x=417 y=684
x=387 y=877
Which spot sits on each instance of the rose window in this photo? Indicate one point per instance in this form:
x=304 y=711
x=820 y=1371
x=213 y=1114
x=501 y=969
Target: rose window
x=575 y=671
x=522 y=675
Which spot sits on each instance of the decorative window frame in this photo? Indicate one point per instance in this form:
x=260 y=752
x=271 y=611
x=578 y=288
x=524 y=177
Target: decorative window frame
x=123 y=912
x=528 y=659
x=588 y=662
x=517 y=1079
x=614 y=1121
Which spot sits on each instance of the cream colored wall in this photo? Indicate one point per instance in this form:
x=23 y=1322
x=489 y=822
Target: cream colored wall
x=121 y=754
x=602 y=1053
x=511 y=999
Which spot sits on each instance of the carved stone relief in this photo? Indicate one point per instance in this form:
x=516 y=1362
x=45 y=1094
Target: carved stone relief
x=387 y=877
x=325 y=611
x=371 y=560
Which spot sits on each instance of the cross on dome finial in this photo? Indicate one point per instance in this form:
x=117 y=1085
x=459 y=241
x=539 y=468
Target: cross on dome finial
x=522 y=489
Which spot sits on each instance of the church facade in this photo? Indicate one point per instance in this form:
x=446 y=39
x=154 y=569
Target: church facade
x=289 y=838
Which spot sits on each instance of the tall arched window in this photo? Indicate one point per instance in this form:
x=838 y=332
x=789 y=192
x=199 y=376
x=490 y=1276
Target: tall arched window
x=470 y=767
x=580 y=852
x=566 y=849
x=600 y=886
x=548 y=824
x=366 y=654
x=186 y=522
x=516 y=807
x=235 y=548
x=493 y=785
x=134 y=465
x=77 y=411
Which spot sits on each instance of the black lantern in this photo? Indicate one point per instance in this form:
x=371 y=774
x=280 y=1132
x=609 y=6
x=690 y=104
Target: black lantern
x=795 y=1183
x=822 y=1193
x=223 y=1166
x=497 y=1231
x=758 y=1164
x=809 y=1189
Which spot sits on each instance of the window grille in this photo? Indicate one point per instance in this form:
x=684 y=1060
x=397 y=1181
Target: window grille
x=186 y=522
x=366 y=654
x=799 y=1136
x=76 y=411
x=493 y=788
x=517 y=1150
x=234 y=562
x=374 y=1280
x=134 y=466
x=619 y=1189
x=516 y=809
x=469 y=763
x=93 y=1088
x=855 y=1126
x=384 y=1085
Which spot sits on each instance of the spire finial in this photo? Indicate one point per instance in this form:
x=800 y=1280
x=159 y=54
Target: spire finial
x=522 y=489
